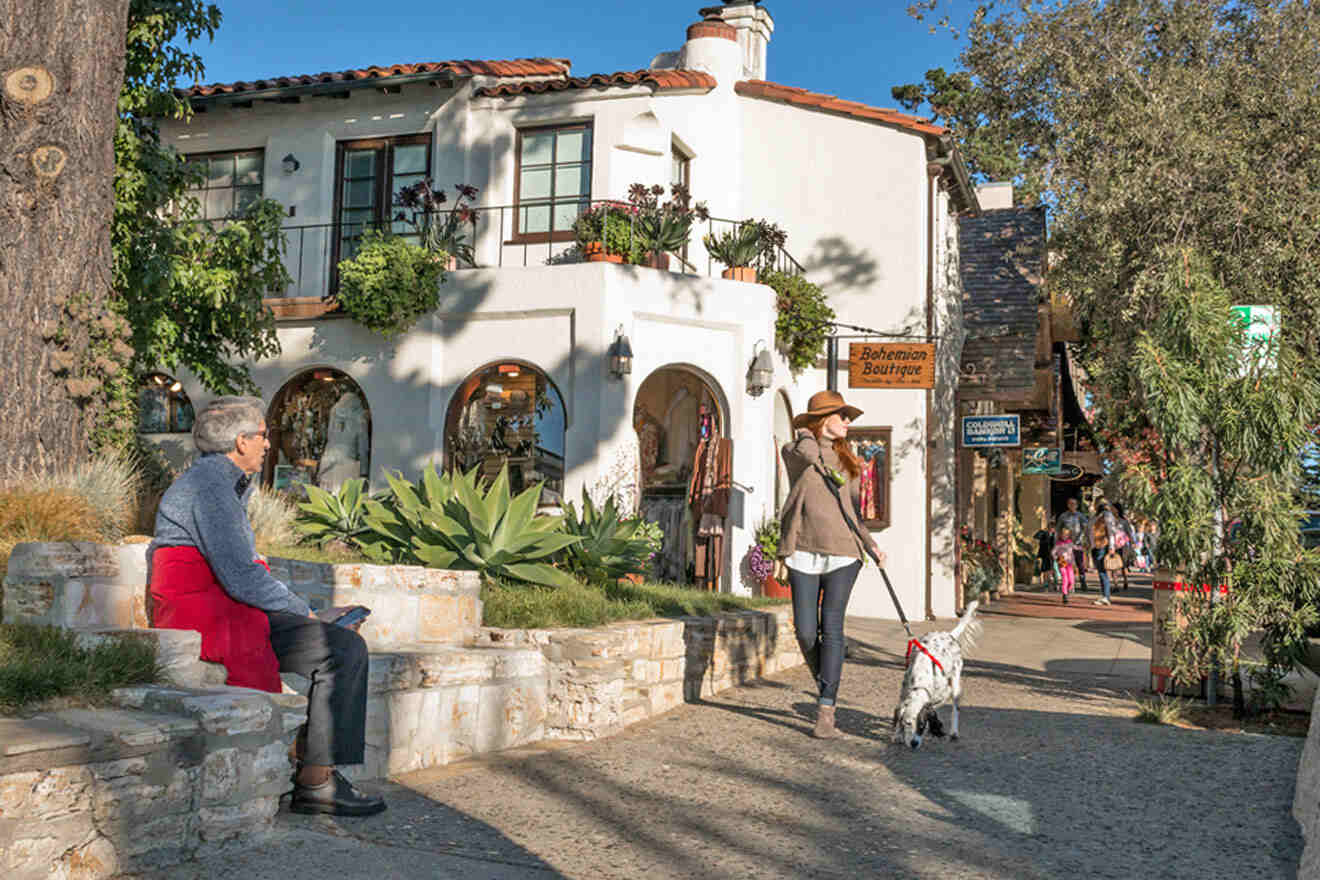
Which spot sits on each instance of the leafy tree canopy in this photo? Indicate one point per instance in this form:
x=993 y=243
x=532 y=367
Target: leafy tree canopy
x=191 y=294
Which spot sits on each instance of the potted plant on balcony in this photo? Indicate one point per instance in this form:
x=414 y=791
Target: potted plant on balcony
x=744 y=248
x=389 y=283
x=762 y=560
x=606 y=233
x=448 y=234
x=664 y=228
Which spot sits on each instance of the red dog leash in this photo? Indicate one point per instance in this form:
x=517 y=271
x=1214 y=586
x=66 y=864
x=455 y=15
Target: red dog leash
x=907 y=658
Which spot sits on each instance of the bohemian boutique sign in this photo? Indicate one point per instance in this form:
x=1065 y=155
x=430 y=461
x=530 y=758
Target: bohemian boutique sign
x=1041 y=460
x=983 y=431
x=891 y=365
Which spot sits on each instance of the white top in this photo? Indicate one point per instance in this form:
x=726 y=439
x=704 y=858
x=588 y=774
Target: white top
x=817 y=563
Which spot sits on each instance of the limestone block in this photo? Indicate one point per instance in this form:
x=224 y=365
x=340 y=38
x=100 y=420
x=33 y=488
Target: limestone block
x=175 y=831
x=374 y=577
x=216 y=824
x=517 y=663
x=270 y=770
x=15 y=792
x=450 y=668
x=1306 y=800
x=119 y=769
x=220 y=775
x=667 y=640
x=391 y=672
x=94 y=860
x=126 y=799
x=22 y=736
x=440 y=620
x=38 y=846
x=393 y=621
x=220 y=714
x=69 y=558
x=344 y=578
x=292 y=709
x=635 y=711
x=30 y=599
x=463 y=715
x=305 y=574
x=409 y=578
x=132 y=728
x=510 y=715
x=663 y=697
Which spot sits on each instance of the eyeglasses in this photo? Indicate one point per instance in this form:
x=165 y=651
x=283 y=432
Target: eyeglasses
x=261 y=434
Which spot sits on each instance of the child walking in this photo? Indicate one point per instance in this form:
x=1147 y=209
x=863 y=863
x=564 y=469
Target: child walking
x=1063 y=555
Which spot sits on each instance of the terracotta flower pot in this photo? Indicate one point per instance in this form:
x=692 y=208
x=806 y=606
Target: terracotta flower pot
x=594 y=251
x=773 y=589
x=451 y=264
x=657 y=261
x=740 y=273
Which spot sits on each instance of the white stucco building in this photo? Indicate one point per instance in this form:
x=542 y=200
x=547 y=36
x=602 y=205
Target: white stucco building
x=868 y=197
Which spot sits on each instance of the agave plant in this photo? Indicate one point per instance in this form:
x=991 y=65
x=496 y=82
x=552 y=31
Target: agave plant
x=449 y=522
x=610 y=547
x=340 y=516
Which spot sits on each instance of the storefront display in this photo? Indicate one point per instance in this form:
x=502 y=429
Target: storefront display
x=320 y=432
x=163 y=407
x=509 y=415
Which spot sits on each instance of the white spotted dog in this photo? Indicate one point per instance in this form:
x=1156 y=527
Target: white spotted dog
x=934 y=677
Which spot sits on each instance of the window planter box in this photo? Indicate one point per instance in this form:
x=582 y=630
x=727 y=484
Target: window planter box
x=740 y=273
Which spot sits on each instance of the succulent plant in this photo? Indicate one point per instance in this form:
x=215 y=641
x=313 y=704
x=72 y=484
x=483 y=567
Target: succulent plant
x=609 y=547
x=341 y=516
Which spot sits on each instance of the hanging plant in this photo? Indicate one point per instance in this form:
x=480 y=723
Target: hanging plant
x=390 y=283
x=803 y=323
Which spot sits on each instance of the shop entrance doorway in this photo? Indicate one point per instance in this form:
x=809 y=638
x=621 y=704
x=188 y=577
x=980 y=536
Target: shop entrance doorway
x=681 y=418
x=320 y=432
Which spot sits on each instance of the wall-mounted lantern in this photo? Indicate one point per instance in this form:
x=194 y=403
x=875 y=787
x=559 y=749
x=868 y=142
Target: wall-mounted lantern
x=761 y=374
x=621 y=354
x=290 y=163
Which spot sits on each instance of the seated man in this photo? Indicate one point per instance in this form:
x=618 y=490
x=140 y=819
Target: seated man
x=205 y=575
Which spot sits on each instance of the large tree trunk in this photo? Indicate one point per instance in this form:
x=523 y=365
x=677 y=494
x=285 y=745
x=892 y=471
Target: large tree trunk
x=61 y=68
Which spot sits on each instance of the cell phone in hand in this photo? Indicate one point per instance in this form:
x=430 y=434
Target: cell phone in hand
x=347 y=616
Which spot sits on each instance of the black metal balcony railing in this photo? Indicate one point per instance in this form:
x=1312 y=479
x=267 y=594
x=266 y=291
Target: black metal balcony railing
x=499 y=237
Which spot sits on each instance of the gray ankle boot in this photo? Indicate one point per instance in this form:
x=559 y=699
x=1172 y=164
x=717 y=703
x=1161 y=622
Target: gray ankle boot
x=825 y=728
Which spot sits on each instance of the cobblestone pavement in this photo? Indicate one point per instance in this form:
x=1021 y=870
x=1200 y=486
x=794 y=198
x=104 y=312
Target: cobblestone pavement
x=1052 y=778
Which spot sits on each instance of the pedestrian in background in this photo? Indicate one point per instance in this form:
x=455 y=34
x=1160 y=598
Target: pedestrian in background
x=1045 y=555
x=1103 y=529
x=1062 y=555
x=1126 y=543
x=1076 y=522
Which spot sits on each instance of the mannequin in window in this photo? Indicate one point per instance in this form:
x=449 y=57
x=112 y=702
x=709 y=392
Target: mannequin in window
x=648 y=441
x=347 y=446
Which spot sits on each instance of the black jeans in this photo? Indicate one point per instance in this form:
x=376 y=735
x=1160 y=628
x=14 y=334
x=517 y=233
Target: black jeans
x=335 y=659
x=821 y=637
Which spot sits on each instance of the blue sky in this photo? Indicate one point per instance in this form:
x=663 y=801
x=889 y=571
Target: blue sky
x=855 y=49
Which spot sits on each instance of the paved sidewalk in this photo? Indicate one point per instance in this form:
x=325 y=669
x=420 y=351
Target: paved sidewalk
x=1051 y=779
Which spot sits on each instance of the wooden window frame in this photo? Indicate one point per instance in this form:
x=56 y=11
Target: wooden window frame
x=384 y=190
x=551 y=236
x=884 y=434
x=259 y=152
x=684 y=161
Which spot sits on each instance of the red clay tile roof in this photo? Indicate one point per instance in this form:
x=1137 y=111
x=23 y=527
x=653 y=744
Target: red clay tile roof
x=658 y=80
x=515 y=67
x=756 y=88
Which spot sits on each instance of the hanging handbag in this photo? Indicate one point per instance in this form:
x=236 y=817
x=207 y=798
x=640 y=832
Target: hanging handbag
x=1113 y=561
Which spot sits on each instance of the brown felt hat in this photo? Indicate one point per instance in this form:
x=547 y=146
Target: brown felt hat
x=823 y=403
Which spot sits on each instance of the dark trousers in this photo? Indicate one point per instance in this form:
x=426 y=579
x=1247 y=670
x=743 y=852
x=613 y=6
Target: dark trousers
x=821 y=636
x=335 y=659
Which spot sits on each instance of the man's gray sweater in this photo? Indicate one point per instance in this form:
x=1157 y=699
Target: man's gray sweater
x=206 y=508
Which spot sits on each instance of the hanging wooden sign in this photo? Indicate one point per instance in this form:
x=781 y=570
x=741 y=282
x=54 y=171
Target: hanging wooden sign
x=891 y=365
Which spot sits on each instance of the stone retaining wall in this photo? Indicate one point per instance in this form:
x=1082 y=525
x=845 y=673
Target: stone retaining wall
x=170 y=773
x=601 y=680
x=82 y=585
x=1306 y=801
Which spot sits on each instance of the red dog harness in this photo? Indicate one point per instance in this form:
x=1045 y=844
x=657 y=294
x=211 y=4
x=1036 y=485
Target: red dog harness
x=907 y=658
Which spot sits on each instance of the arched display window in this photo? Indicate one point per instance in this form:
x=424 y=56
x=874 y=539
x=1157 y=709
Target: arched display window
x=509 y=413
x=320 y=432
x=163 y=406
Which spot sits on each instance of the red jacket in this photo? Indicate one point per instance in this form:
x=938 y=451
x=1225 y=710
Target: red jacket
x=186 y=595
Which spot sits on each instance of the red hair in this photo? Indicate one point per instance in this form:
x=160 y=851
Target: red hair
x=841 y=447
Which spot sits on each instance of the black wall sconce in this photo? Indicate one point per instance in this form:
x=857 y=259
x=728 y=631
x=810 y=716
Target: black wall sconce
x=621 y=354
x=290 y=163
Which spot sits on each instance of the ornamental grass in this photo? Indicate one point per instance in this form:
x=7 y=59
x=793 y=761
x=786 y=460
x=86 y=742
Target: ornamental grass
x=43 y=663
x=518 y=606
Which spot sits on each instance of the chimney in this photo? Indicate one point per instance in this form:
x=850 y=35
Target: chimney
x=753 y=27
x=712 y=47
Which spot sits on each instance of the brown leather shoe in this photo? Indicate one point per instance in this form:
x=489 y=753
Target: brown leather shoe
x=337 y=797
x=825 y=728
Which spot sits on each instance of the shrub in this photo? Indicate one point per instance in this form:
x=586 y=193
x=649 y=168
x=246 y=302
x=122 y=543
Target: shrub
x=340 y=516
x=802 y=325
x=48 y=514
x=614 y=227
x=109 y=482
x=273 y=516
x=448 y=522
x=390 y=283
x=609 y=547
x=1161 y=709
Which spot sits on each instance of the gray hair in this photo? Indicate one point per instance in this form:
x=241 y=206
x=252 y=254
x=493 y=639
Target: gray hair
x=222 y=421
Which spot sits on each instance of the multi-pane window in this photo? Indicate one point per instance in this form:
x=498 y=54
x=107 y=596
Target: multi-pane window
x=370 y=174
x=680 y=168
x=231 y=182
x=554 y=180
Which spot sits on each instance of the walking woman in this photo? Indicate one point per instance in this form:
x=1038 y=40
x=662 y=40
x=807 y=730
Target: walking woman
x=822 y=540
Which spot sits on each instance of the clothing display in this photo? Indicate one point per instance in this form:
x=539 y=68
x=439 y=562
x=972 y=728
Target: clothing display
x=708 y=496
x=868 y=491
x=670 y=513
x=347 y=444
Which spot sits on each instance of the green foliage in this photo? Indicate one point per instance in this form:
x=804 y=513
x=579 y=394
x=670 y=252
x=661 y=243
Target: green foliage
x=665 y=227
x=612 y=225
x=609 y=547
x=340 y=516
x=802 y=325
x=767 y=537
x=191 y=294
x=1231 y=429
x=739 y=246
x=449 y=522
x=39 y=663
x=1161 y=709
x=653 y=535
x=390 y=283
x=517 y=606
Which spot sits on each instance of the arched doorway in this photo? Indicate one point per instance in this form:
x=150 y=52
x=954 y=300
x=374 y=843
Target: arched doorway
x=509 y=413
x=681 y=418
x=320 y=432
x=783 y=434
